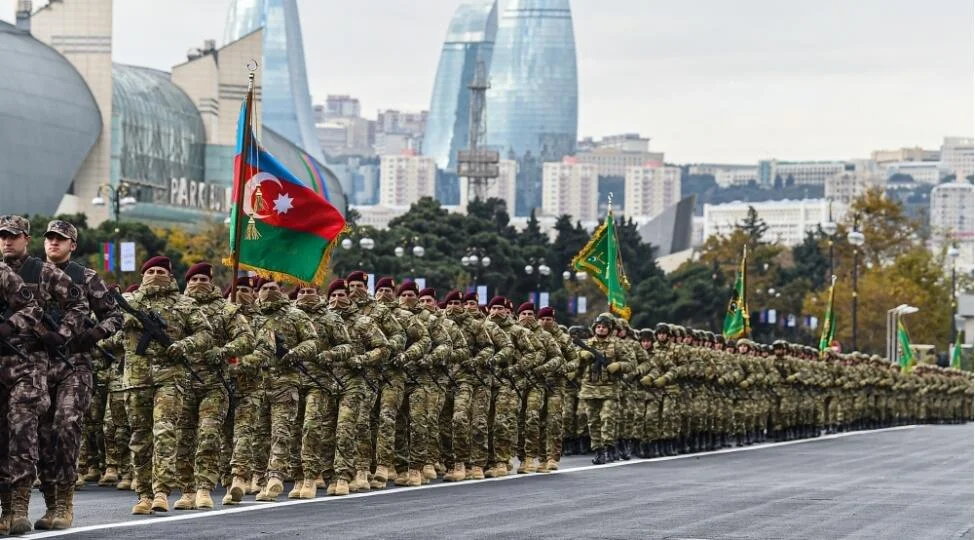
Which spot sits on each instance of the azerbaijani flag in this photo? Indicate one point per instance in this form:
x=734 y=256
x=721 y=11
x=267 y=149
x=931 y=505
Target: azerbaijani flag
x=290 y=230
x=108 y=256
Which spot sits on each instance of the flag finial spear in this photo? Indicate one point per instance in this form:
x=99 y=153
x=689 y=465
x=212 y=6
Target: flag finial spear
x=609 y=205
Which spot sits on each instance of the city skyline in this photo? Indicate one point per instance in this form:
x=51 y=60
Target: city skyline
x=837 y=80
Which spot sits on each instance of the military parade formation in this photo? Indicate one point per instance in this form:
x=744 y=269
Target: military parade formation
x=279 y=391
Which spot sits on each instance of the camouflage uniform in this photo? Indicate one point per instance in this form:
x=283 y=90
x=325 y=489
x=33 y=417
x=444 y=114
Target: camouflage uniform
x=155 y=381
x=454 y=382
x=557 y=402
x=545 y=378
x=601 y=386
x=206 y=403
x=515 y=393
x=275 y=318
x=22 y=396
x=485 y=434
x=116 y=422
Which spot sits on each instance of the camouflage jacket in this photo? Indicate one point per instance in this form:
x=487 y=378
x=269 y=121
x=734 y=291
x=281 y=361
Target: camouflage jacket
x=481 y=341
x=107 y=314
x=551 y=367
x=334 y=342
x=58 y=296
x=232 y=338
x=186 y=324
x=570 y=353
x=370 y=350
x=438 y=359
x=22 y=310
x=528 y=353
x=300 y=340
x=413 y=359
x=597 y=381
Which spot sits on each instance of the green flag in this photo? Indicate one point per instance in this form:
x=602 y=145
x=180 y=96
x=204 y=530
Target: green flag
x=829 y=323
x=736 y=323
x=906 y=359
x=956 y=352
x=601 y=259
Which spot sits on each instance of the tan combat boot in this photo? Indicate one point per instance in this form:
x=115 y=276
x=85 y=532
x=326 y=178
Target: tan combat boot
x=110 y=478
x=5 y=504
x=440 y=468
x=341 y=487
x=160 y=503
x=551 y=465
x=65 y=510
x=308 y=489
x=79 y=482
x=477 y=473
x=134 y=485
x=362 y=479
x=125 y=483
x=238 y=488
x=402 y=479
x=414 y=478
x=330 y=489
x=429 y=472
x=19 y=501
x=380 y=477
x=457 y=474
x=501 y=470
x=186 y=501
x=255 y=485
x=93 y=474
x=295 y=492
x=203 y=499
x=50 y=502
x=469 y=475
x=143 y=507
x=271 y=491
x=532 y=466
x=522 y=466
x=319 y=482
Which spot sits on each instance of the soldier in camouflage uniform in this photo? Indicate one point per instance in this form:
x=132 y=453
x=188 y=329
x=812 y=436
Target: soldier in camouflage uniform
x=285 y=339
x=370 y=349
x=401 y=384
x=646 y=372
x=22 y=396
x=205 y=403
x=455 y=385
x=66 y=308
x=601 y=376
x=424 y=397
x=396 y=336
x=632 y=404
x=548 y=364
x=60 y=433
x=555 y=382
x=510 y=386
x=154 y=380
x=118 y=462
x=317 y=443
x=576 y=425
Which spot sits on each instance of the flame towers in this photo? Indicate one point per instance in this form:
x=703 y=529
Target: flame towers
x=286 y=101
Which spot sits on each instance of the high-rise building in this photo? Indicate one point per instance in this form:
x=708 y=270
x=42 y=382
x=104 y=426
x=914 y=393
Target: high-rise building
x=406 y=178
x=533 y=102
x=337 y=106
x=958 y=156
x=650 y=190
x=614 y=154
x=570 y=187
x=846 y=186
x=884 y=157
x=952 y=220
x=286 y=100
x=470 y=39
x=788 y=221
x=923 y=172
x=797 y=173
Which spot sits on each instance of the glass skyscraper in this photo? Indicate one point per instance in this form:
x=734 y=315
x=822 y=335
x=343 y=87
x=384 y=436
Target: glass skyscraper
x=533 y=102
x=470 y=39
x=286 y=101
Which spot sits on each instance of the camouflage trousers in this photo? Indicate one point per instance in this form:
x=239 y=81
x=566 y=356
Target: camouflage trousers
x=448 y=435
x=153 y=414
x=670 y=415
x=242 y=460
x=262 y=434
x=602 y=415
x=23 y=399
x=117 y=433
x=571 y=425
x=423 y=411
x=652 y=429
x=435 y=453
x=200 y=433
x=282 y=402
x=390 y=405
x=505 y=427
x=364 y=448
x=59 y=430
x=93 y=445
x=308 y=455
x=481 y=401
x=341 y=413
x=532 y=400
x=552 y=424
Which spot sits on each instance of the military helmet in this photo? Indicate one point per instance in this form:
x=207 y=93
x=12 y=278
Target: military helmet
x=746 y=342
x=645 y=333
x=780 y=344
x=605 y=319
x=622 y=324
x=662 y=328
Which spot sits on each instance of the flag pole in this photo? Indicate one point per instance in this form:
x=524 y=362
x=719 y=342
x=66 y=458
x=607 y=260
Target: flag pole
x=745 y=315
x=240 y=180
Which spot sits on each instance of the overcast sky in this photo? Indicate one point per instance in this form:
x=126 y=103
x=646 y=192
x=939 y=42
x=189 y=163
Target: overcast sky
x=707 y=80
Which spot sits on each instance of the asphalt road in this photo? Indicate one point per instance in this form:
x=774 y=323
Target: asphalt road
x=902 y=483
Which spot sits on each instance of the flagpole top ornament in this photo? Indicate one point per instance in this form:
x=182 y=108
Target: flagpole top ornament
x=610 y=202
x=834 y=279
x=252 y=65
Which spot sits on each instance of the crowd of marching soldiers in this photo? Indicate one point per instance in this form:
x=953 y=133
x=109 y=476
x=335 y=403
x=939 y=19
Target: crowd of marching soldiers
x=258 y=387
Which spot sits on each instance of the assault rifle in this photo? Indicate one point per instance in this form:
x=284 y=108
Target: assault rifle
x=154 y=329
x=280 y=349
x=5 y=345
x=599 y=358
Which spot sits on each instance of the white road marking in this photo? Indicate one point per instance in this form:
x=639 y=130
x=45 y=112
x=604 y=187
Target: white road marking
x=159 y=519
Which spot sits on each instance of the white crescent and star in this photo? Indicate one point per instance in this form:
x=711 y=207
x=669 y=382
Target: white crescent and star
x=282 y=203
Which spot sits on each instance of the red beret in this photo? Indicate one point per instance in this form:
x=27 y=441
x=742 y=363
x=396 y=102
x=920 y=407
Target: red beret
x=452 y=295
x=442 y=305
x=293 y=295
x=429 y=291
x=527 y=306
x=336 y=285
x=497 y=301
x=358 y=275
x=470 y=296
x=199 y=269
x=385 y=282
x=547 y=311
x=260 y=282
x=132 y=288
x=160 y=261
x=406 y=286
x=244 y=281
x=509 y=304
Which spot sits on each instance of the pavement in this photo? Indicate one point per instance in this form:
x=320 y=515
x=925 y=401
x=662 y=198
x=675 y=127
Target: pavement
x=912 y=482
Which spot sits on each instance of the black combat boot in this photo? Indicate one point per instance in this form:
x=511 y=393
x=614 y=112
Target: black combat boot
x=623 y=449
x=600 y=458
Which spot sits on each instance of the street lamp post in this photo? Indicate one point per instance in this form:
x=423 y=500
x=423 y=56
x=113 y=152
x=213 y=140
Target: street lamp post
x=568 y=277
x=829 y=227
x=412 y=247
x=543 y=271
x=476 y=259
x=856 y=239
x=953 y=254
x=120 y=197
x=365 y=244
